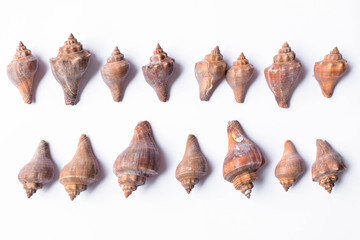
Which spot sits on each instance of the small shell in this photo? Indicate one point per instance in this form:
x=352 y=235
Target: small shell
x=39 y=171
x=158 y=72
x=244 y=158
x=290 y=167
x=21 y=72
x=139 y=160
x=239 y=77
x=283 y=76
x=209 y=72
x=327 y=166
x=329 y=71
x=82 y=170
x=193 y=166
x=69 y=66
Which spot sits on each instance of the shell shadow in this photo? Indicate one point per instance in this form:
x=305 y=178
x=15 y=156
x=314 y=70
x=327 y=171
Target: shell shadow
x=254 y=76
x=260 y=176
x=40 y=73
x=348 y=70
x=131 y=75
x=176 y=74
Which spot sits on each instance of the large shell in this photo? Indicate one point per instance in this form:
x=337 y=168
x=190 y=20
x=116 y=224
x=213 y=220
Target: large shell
x=283 y=75
x=39 y=171
x=329 y=71
x=209 y=72
x=327 y=166
x=139 y=160
x=69 y=66
x=193 y=166
x=82 y=170
x=21 y=72
x=158 y=72
x=239 y=77
x=114 y=73
x=290 y=167
x=243 y=159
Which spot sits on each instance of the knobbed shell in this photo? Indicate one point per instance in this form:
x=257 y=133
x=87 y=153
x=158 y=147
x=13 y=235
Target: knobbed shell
x=290 y=167
x=82 y=170
x=39 y=171
x=209 y=72
x=139 y=160
x=283 y=75
x=193 y=166
x=158 y=72
x=329 y=71
x=243 y=159
x=327 y=166
x=114 y=73
x=21 y=72
x=239 y=77
x=69 y=66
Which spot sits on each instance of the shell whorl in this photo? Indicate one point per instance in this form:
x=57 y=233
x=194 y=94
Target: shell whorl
x=116 y=56
x=159 y=55
x=334 y=55
x=285 y=54
x=71 y=45
x=215 y=55
x=21 y=51
x=241 y=60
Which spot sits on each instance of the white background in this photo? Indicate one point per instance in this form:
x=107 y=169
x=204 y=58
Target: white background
x=187 y=30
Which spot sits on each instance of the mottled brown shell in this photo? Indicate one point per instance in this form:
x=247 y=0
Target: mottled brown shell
x=21 y=72
x=243 y=159
x=327 y=166
x=39 y=171
x=209 y=72
x=193 y=166
x=329 y=71
x=69 y=66
x=283 y=75
x=139 y=160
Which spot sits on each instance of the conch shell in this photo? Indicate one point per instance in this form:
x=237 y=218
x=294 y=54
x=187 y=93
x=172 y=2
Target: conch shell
x=139 y=160
x=244 y=158
x=193 y=166
x=290 y=167
x=327 y=166
x=114 y=73
x=21 y=72
x=82 y=170
x=283 y=76
x=69 y=66
x=39 y=171
x=329 y=71
x=209 y=72
x=239 y=77
x=158 y=72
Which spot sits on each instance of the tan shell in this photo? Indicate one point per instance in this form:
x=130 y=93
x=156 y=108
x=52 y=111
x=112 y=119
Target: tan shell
x=329 y=71
x=82 y=170
x=193 y=166
x=114 y=73
x=139 y=160
x=327 y=166
x=290 y=167
x=209 y=72
x=21 y=72
x=39 y=171
x=243 y=159
x=158 y=72
x=69 y=66
x=283 y=75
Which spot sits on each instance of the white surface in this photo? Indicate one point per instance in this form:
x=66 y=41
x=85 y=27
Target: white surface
x=187 y=31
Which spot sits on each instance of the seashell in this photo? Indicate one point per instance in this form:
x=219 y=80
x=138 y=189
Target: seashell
x=283 y=75
x=327 y=166
x=243 y=159
x=329 y=71
x=158 y=72
x=209 y=72
x=21 y=72
x=290 y=167
x=69 y=66
x=193 y=166
x=39 y=171
x=139 y=160
x=82 y=171
x=114 y=73
x=239 y=77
